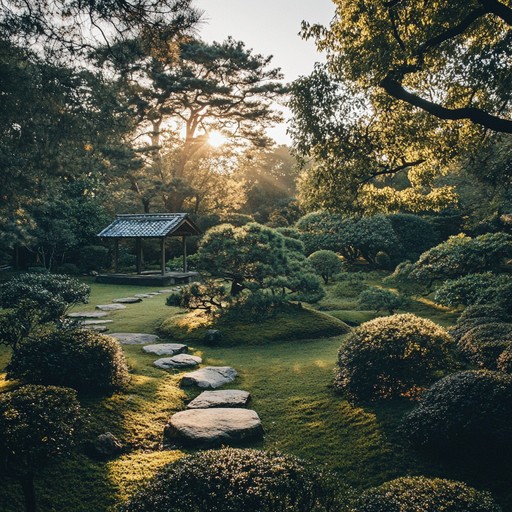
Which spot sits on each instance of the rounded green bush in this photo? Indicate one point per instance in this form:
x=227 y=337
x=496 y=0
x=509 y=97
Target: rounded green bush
x=325 y=263
x=391 y=356
x=468 y=410
x=378 y=299
x=476 y=315
x=505 y=360
x=483 y=344
x=415 y=494
x=235 y=480
x=77 y=358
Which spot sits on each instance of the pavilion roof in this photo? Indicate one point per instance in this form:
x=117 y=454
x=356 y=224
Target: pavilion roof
x=150 y=225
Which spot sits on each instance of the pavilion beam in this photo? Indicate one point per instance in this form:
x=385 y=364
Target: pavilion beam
x=116 y=255
x=184 y=244
x=162 y=253
x=138 y=248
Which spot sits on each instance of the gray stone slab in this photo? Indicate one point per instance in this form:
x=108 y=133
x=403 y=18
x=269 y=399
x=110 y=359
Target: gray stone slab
x=110 y=307
x=154 y=294
x=165 y=349
x=221 y=398
x=97 y=328
x=127 y=300
x=209 y=377
x=142 y=295
x=95 y=322
x=177 y=361
x=134 y=338
x=214 y=427
x=169 y=290
x=87 y=314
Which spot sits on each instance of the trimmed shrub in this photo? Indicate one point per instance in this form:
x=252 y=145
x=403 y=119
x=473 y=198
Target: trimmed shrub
x=391 y=356
x=325 y=264
x=468 y=410
x=413 y=494
x=483 y=344
x=234 y=480
x=378 y=299
x=505 y=360
x=68 y=268
x=484 y=310
x=349 y=284
x=94 y=257
x=383 y=260
x=77 y=358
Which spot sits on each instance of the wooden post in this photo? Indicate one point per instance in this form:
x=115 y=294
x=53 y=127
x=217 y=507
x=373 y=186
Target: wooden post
x=116 y=255
x=184 y=239
x=162 y=252
x=138 y=247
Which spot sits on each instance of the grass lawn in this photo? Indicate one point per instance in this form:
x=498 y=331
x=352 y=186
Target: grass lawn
x=290 y=387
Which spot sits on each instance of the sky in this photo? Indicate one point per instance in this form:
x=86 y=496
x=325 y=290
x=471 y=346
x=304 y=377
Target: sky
x=269 y=27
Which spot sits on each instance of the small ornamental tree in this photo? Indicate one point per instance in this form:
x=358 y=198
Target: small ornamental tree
x=77 y=358
x=37 y=425
x=325 y=263
x=413 y=494
x=378 y=299
x=468 y=410
x=391 y=356
x=256 y=259
x=234 y=480
x=33 y=299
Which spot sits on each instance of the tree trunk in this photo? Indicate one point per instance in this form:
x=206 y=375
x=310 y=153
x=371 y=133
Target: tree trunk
x=29 y=492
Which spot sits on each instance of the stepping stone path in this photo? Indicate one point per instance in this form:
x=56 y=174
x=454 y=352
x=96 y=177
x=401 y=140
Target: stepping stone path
x=87 y=314
x=165 y=349
x=142 y=295
x=177 y=361
x=110 y=307
x=209 y=377
x=134 y=338
x=221 y=398
x=213 y=427
x=173 y=290
x=127 y=300
x=97 y=328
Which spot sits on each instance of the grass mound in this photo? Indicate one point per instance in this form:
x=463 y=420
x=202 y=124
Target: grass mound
x=289 y=324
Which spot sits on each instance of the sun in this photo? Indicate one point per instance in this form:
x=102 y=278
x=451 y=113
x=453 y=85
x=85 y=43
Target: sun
x=216 y=139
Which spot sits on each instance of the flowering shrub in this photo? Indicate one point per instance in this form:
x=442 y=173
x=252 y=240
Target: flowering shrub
x=467 y=410
x=235 y=480
x=391 y=356
x=412 y=494
x=76 y=358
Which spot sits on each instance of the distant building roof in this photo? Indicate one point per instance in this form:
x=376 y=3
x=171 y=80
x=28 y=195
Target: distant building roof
x=150 y=225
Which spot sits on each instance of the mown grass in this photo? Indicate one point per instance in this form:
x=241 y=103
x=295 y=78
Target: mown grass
x=290 y=385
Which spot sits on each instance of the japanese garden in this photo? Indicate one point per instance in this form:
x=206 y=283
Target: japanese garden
x=196 y=316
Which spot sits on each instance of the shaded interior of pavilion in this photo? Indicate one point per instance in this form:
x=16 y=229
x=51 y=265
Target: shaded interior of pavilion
x=150 y=226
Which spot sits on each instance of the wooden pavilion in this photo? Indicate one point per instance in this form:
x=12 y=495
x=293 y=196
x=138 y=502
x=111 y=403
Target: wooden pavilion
x=153 y=226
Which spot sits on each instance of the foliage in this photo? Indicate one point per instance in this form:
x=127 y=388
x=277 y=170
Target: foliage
x=349 y=284
x=37 y=424
x=75 y=358
x=462 y=255
x=391 y=356
x=233 y=480
x=325 y=263
x=505 y=360
x=256 y=258
x=94 y=257
x=415 y=235
x=475 y=289
x=484 y=343
x=210 y=297
x=378 y=299
x=465 y=411
x=350 y=237
x=410 y=494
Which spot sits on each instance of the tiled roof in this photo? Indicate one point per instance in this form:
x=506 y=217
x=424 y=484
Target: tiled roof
x=150 y=225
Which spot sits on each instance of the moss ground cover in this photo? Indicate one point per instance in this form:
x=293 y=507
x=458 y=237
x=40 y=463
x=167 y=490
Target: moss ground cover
x=291 y=388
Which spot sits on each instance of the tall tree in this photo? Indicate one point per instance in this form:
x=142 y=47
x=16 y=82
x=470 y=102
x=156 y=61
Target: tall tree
x=450 y=58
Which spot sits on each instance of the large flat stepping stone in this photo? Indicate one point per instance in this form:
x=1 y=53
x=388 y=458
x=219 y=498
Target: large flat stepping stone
x=142 y=295
x=177 y=361
x=165 y=349
x=209 y=377
x=95 y=322
x=87 y=314
x=134 y=338
x=221 y=398
x=110 y=307
x=127 y=300
x=97 y=328
x=169 y=290
x=213 y=427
